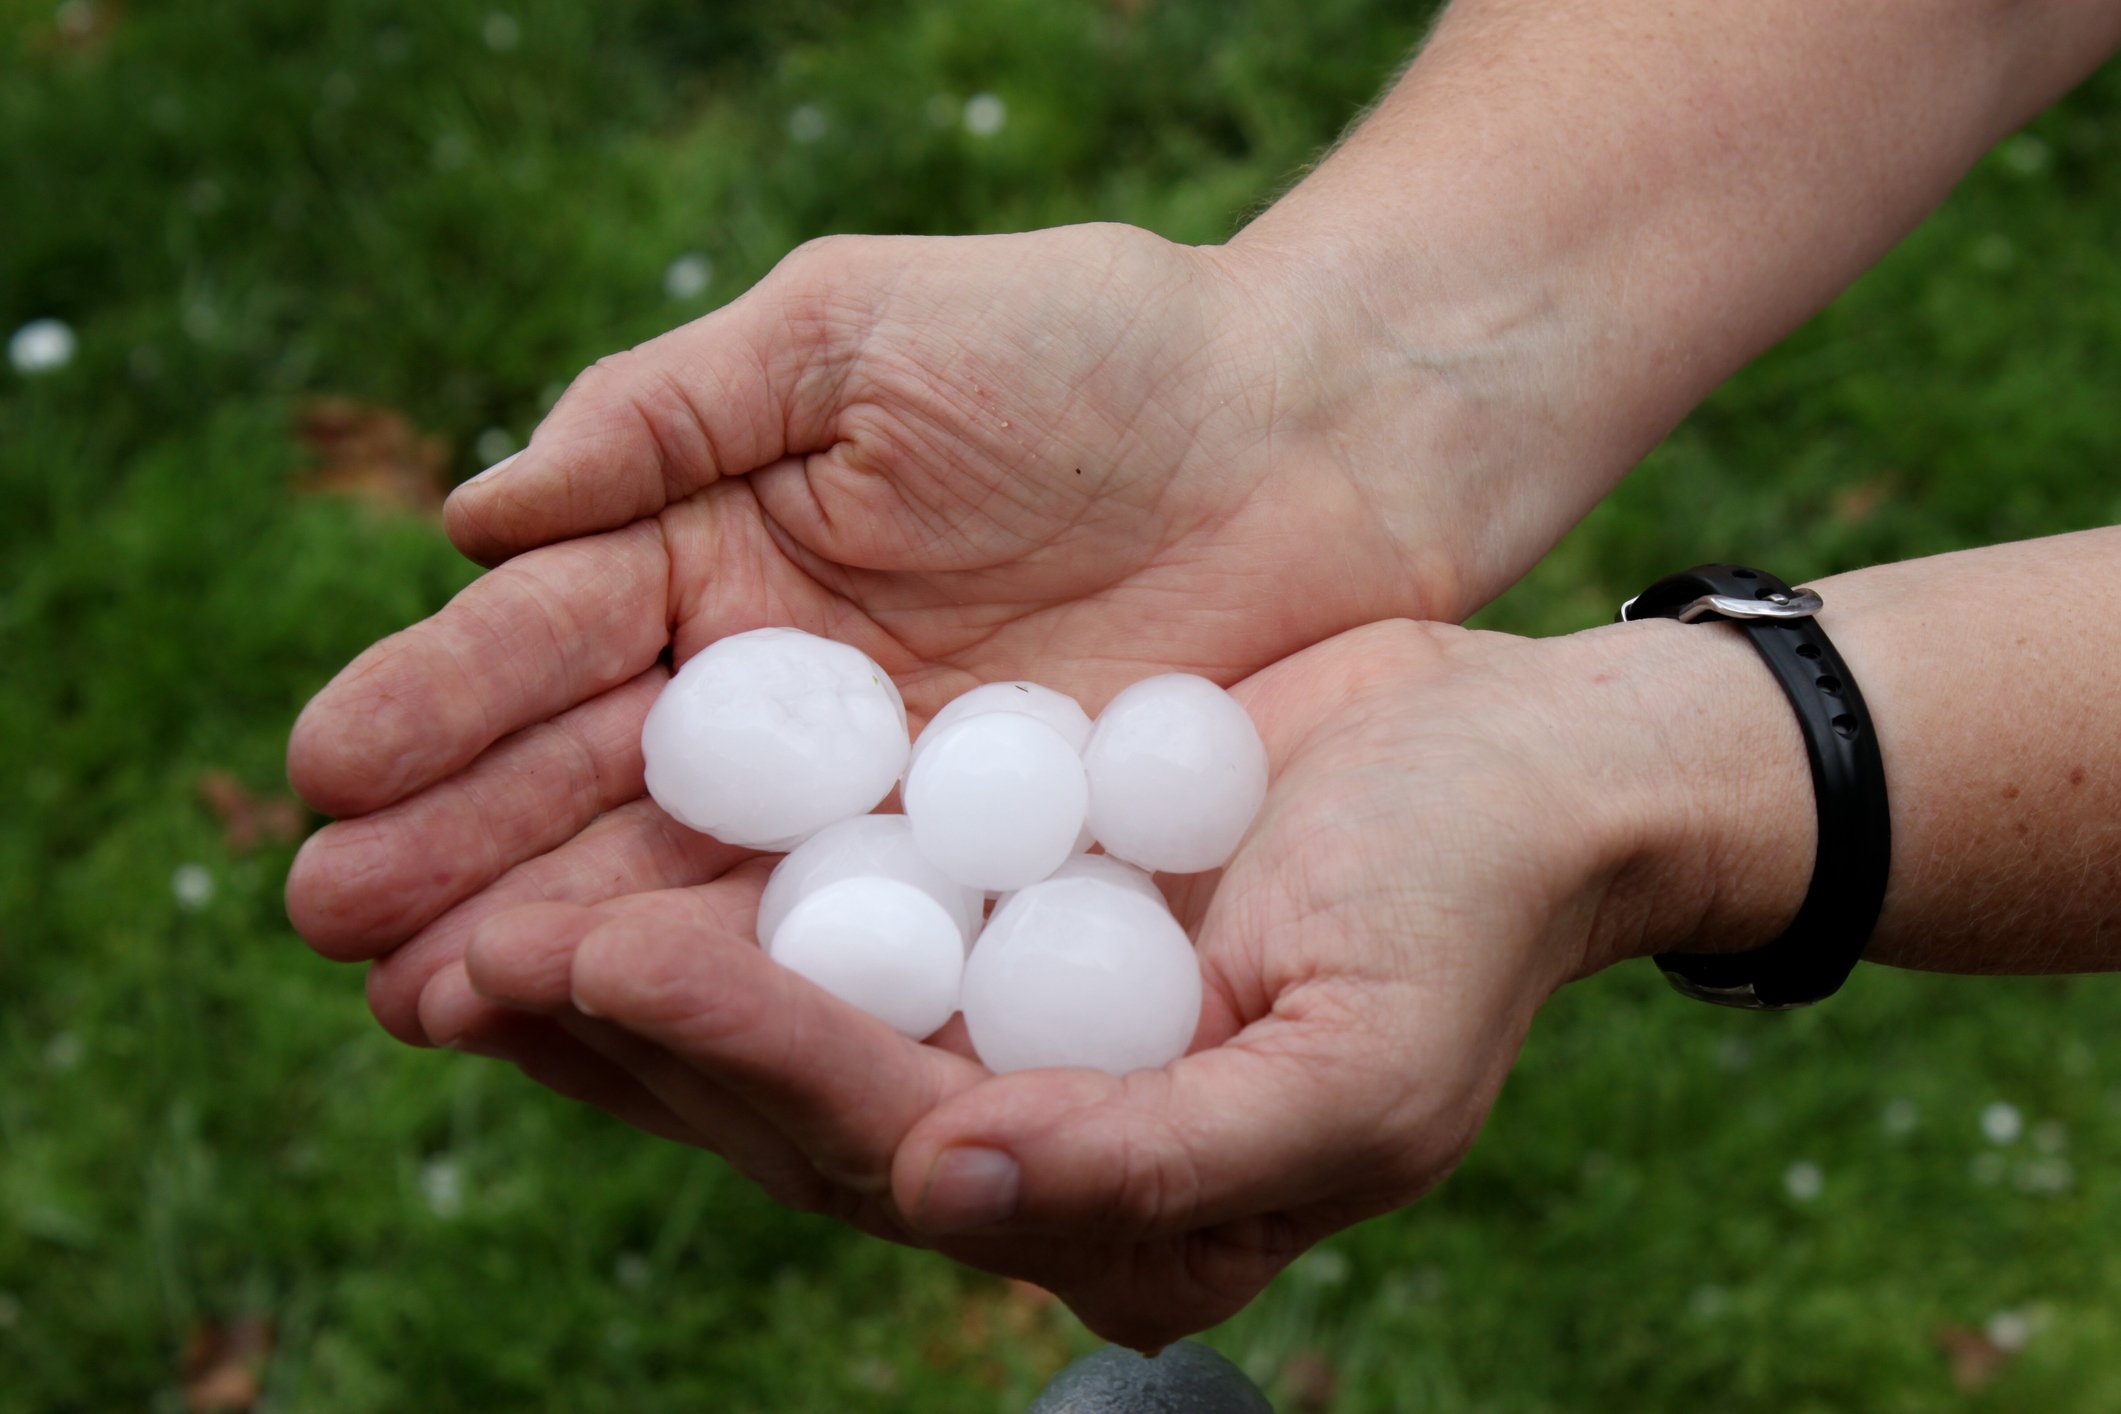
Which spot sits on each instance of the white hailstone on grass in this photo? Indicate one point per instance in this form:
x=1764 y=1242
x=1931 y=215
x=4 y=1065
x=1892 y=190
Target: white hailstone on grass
x=867 y=846
x=879 y=945
x=997 y=800
x=807 y=122
x=2002 y=1123
x=1803 y=1181
x=1177 y=771
x=2010 y=1331
x=501 y=32
x=494 y=444
x=688 y=276
x=442 y=1185
x=41 y=346
x=1081 y=972
x=764 y=738
x=984 y=114
x=192 y=885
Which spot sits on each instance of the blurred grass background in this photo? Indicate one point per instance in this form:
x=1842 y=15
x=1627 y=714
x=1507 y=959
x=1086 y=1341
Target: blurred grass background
x=1904 y=1201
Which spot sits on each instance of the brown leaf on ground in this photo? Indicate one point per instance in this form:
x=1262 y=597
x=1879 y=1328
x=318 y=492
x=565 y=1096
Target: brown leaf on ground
x=224 y=1364
x=374 y=455
x=1975 y=1360
x=1310 y=1379
x=249 y=820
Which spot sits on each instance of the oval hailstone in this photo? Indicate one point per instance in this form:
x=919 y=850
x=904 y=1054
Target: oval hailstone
x=883 y=946
x=997 y=800
x=868 y=846
x=1177 y=771
x=1081 y=972
x=1056 y=709
x=764 y=738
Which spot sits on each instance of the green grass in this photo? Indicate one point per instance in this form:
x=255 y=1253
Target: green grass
x=240 y=204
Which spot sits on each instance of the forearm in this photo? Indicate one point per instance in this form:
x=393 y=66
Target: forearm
x=1994 y=679
x=1583 y=217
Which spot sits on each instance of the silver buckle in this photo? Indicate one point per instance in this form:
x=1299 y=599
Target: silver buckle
x=1797 y=604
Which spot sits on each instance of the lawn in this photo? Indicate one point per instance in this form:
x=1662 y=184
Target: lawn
x=432 y=215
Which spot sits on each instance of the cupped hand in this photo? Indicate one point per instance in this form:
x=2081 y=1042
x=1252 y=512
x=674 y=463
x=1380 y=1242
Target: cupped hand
x=1428 y=867
x=1077 y=456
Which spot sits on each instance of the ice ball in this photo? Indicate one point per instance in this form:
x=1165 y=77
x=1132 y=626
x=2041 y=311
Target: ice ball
x=764 y=738
x=868 y=846
x=1177 y=771
x=883 y=946
x=997 y=800
x=1105 y=867
x=1056 y=709
x=1081 y=972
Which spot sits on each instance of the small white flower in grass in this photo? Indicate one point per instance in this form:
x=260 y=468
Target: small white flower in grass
x=1986 y=1169
x=1803 y=1180
x=2002 y=1123
x=193 y=886
x=1900 y=1117
x=2049 y=1137
x=2011 y=1330
x=501 y=32
x=493 y=444
x=807 y=122
x=688 y=276
x=41 y=346
x=984 y=114
x=63 y=1052
x=442 y=1185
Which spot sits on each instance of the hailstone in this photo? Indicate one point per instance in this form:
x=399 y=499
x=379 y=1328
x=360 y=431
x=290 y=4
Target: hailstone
x=868 y=846
x=1056 y=709
x=997 y=800
x=1177 y=771
x=1101 y=866
x=764 y=738
x=1081 y=972
x=883 y=946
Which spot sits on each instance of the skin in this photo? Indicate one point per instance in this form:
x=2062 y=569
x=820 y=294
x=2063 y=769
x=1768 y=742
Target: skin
x=1079 y=456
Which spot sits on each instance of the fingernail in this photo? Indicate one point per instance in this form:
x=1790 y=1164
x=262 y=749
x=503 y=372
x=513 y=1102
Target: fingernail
x=495 y=470
x=969 y=1188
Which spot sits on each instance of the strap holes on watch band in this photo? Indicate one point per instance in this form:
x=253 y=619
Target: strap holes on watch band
x=1829 y=684
x=1846 y=725
x=1808 y=650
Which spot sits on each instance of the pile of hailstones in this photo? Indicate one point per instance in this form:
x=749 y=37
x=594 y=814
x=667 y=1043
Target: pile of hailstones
x=780 y=740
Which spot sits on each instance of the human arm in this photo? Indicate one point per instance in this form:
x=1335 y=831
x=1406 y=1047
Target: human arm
x=1459 y=823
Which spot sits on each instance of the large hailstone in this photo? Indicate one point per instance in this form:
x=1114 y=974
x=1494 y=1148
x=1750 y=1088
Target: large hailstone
x=1081 y=972
x=1056 y=709
x=1105 y=867
x=764 y=738
x=997 y=800
x=868 y=846
x=881 y=945
x=1177 y=771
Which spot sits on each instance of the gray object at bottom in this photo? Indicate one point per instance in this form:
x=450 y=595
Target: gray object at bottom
x=1187 y=1378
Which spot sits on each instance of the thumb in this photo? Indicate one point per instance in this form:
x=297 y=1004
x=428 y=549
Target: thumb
x=729 y=393
x=1281 y=1117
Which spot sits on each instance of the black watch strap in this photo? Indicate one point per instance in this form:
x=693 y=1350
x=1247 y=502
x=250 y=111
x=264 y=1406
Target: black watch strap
x=1811 y=960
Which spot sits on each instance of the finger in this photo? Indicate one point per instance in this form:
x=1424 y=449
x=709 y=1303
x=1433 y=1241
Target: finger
x=360 y=887
x=628 y=850
x=839 y=1083
x=516 y=647
x=1288 y=1113
x=545 y=1053
x=726 y=394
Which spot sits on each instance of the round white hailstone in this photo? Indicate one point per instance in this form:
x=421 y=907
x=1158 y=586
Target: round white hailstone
x=1177 y=771
x=883 y=946
x=688 y=276
x=1081 y=972
x=1056 y=709
x=766 y=737
x=984 y=114
x=1100 y=866
x=41 y=346
x=997 y=800
x=868 y=846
